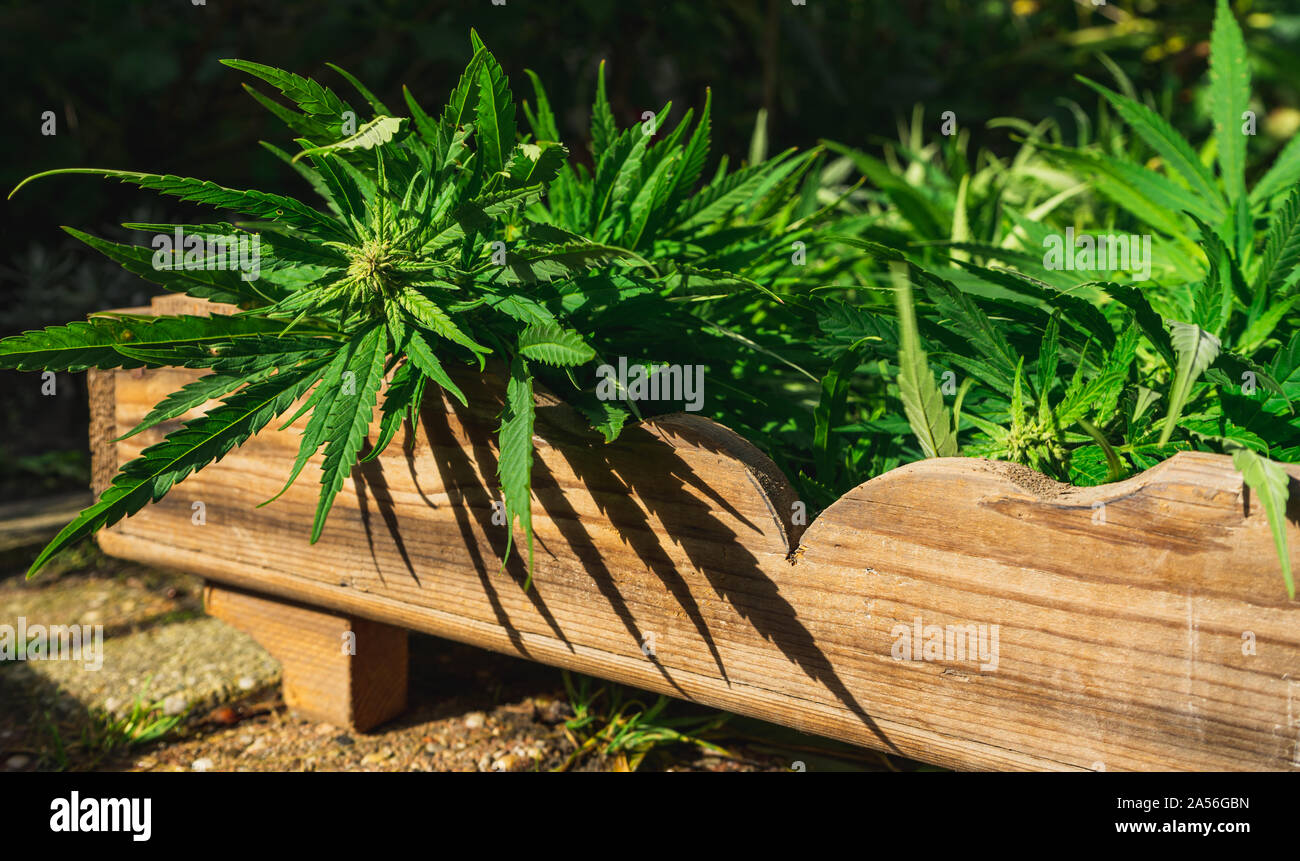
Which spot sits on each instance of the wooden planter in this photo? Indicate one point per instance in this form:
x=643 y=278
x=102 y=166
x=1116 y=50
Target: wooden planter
x=1141 y=625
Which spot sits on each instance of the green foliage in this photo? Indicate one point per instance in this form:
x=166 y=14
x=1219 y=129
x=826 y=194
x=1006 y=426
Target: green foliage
x=922 y=402
x=823 y=291
x=1086 y=380
x=436 y=246
x=607 y=723
x=1270 y=483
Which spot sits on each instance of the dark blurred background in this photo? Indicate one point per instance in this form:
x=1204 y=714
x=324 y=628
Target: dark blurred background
x=137 y=85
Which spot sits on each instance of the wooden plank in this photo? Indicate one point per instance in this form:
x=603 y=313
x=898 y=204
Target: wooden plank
x=1140 y=625
x=349 y=672
x=101 y=387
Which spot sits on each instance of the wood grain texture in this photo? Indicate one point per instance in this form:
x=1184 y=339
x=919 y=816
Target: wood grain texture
x=101 y=388
x=1142 y=625
x=348 y=672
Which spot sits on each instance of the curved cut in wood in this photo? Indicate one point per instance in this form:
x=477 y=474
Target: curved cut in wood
x=1141 y=624
x=963 y=612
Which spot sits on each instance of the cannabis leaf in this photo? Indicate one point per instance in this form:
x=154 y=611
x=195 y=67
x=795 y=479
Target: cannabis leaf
x=1196 y=350
x=378 y=131
x=515 y=463
x=922 y=401
x=199 y=442
x=1271 y=484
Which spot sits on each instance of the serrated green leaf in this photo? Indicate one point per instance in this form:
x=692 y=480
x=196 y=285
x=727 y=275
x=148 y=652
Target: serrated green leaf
x=694 y=158
x=1284 y=173
x=313 y=98
x=375 y=133
x=714 y=203
x=922 y=401
x=422 y=356
x=1280 y=265
x=216 y=285
x=604 y=131
x=256 y=203
x=555 y=346
x=607 y=418
x=1168 y=143
x=1151 y=323
x=1196 y=350
x=97 y=342
x=1229 y=98
x=562 y=261
x=543 y=124
x=533 y=164
x=197 y=443
x=1271 y=484
x=399 y=399
x=349 y=418
x=430 y=316
x=375 y=103
x=193 y=395
x=515 y=463
x=495 y=113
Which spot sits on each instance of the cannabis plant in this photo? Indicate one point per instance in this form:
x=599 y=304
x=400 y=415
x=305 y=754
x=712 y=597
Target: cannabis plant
x=1206 y=357
x=403 y=273
x=730 y=252
x=436 y=247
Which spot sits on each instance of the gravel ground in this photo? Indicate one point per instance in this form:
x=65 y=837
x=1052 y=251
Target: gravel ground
x=211 y=697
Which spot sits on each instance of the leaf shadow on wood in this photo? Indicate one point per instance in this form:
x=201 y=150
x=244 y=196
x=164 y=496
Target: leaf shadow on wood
x=645 y=492
x=567 y=521
x=369 y=480
x=468 y=496
x=738 y=578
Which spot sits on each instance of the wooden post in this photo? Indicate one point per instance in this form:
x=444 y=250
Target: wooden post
x=343 y=670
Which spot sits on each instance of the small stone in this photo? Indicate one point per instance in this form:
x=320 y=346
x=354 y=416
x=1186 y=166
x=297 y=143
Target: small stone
x=326 y=729
x=203 y=764
x=246 y=683
x=343 y=739
x=17 y=762
x=258 y=746
x=376 y=758
x=112 y=704
x=509 y=762
x=475 y=720
x=175 y=705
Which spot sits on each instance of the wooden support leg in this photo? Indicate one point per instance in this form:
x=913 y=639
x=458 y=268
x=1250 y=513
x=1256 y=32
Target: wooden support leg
x=345 y=671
